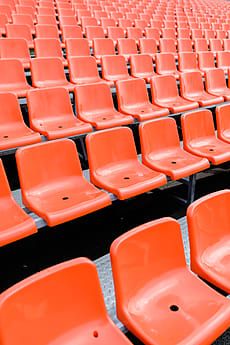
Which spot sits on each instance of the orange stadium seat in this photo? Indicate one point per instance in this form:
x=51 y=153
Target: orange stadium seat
x=53 y=185
x=192 y=89
x=103 y=46
x=142 y=67
x=206 y=61
x=49 y=48
x=114 y=68
x=100 y=111
x=208 y=228
x=216 y=83
x=80 y=309
x=133 y=100
x=223 y=122
x=116 y=168
x=15 y=48
x=169 y=311
x=83 y=70
x=12 y=77
x=15 y=223
x=161 y=150
x=49 y=72
x=168 y=97
x=201 y=139
x=51 y=114
x=77 y=47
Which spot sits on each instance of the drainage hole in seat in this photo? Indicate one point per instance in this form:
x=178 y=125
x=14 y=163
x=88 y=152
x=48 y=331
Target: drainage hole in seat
x=211 y=150
x=174 y=307
x=65 y=198
x=173 y=162
x=126 y=178
x=95 y=334
x=60 y=126
x=142 y=111
x=5 y=136
x=104 y=118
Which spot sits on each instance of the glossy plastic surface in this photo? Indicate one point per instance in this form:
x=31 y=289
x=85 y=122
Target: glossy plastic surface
x=114 y=164
x=66 y=297
x=15 y=48
x=216 y=83
x=126 y=47
x=48 y=48
x=161 y=150
x=83 y=70
x=167 y=304
x=49 y=72
x=15 y=223
x=94 y=104
x=20 y=31
x=103 y=46
x=53 y=185
x=206 y=61
x=51 y=114
x=133 y=100
x=142 y=66
x=12 y=77
x=166 y=65
x=209 y=237
x=192 y=89
x=200 y=139
x=114 y=68
x=169 y=97
x=77 y=47
x=223 y=122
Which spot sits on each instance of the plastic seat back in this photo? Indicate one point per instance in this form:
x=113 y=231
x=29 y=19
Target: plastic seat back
x=227 y=44
x=12 y=74
x=148 y=46
x=183 y=33
x=187 y=61
x=134 y=33
x=167 y=45
x=71 y=31
x=50 y=104
x=136 y=254
x=141 y=64
x=206 y=60
x=103 y=46
x=115 y=32
x=48 y=47
x=126 y=46
x=158 y=136
x=100 y=99
x=132 y=92
x=191 y=84
x=118 y=148
x=200 y=45
x=160 y=92
x=215 y=45
x=215 y=80
x=10 y=113
x=23 y=19
x=14 y=48
x=208 y=224
x=94 y=32
x=80 y=312
x=169 y=33
x=165 y=63
x=46 y=19
x=152 y=33
x=223 y=122
x=195 y=126
x=184 y=45
x=44 y=70
x=77 y=47
x=19 y=31
x=223 y=59
x=46 y=31
x=83 y=70
x=114 y=67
